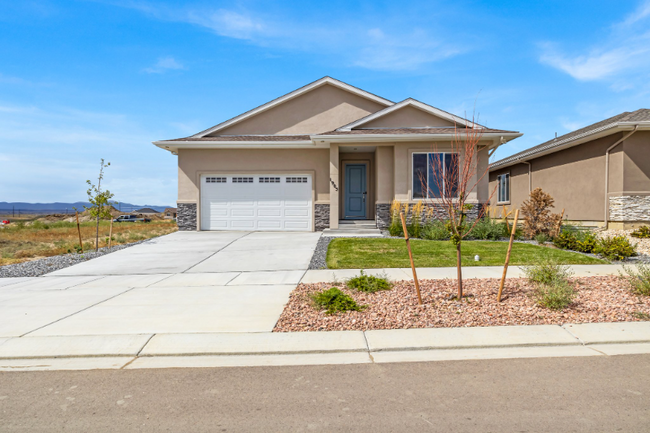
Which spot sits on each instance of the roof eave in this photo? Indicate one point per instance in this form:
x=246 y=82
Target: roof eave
x=503 y=136
x=612 y=129
x=175 y=146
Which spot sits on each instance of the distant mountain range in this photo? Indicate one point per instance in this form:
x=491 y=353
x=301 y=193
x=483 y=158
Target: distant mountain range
x=58 y=207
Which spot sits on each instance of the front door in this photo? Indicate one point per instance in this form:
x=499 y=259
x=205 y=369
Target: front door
x=356 y=191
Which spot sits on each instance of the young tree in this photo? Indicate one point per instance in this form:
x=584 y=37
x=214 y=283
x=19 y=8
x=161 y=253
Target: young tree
x=453 y=176
x=99 y=200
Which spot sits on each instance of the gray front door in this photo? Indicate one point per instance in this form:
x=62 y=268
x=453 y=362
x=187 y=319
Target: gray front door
x=355 y=191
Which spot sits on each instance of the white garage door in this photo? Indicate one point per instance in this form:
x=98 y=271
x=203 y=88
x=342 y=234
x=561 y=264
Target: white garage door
x=256 y=202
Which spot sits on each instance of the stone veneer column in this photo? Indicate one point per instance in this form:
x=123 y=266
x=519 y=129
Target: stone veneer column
x=321 y=216
x=186 y=216
x=334 y=186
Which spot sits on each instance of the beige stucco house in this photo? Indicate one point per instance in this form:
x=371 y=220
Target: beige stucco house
x=320 y=154
x=599 y=175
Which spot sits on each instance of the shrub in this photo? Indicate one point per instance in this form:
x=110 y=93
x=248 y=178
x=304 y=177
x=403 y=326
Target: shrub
x=566 y=240
x=537 y=214
x=488 y=229
x=368 y=283
x=556 y=296
x=615 y=248
x=435 y=231
x=642 y=232
x=334 y=301
x=639 y=280
x=541 y=238
x=548 y=273
x=588 y=243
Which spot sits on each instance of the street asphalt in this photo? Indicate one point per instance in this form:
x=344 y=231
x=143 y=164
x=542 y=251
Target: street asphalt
x=578 y=394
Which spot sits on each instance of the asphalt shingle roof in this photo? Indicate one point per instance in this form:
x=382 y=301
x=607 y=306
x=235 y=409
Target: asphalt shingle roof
x=642 y=115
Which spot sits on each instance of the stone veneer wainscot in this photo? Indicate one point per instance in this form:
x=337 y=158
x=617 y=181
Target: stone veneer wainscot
x=629 y=208
x=186 y=216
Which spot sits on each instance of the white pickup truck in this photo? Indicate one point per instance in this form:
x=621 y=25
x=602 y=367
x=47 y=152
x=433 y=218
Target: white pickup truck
x=130 y=219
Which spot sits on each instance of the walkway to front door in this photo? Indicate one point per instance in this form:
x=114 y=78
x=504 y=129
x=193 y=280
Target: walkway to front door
x=355 y=192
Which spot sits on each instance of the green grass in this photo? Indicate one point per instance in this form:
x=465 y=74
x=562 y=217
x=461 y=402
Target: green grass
x=391 y=253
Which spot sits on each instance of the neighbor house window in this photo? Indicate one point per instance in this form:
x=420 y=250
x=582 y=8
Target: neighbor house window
x=435 y=174
x=503 y=188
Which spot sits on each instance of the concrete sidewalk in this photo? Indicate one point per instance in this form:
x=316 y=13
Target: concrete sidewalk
x=397 y=274
x=312 y=348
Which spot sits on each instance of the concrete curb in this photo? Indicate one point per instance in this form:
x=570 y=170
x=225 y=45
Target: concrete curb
x=312 y=348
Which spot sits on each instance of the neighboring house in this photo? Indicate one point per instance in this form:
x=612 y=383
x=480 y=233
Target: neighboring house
x=323 y=153
x=146 y=211
x=600 y=174
x=169 y=213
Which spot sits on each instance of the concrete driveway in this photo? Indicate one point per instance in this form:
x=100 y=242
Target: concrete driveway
x=180 y=283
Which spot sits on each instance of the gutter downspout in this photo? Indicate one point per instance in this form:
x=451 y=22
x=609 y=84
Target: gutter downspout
x=609 y=149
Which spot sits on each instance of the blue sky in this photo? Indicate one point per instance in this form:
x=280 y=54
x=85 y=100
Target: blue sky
x=84 y=80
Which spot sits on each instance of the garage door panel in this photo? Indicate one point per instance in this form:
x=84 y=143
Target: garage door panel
x=260 y=202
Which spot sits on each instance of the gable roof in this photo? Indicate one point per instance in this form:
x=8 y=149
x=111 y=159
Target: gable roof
x=410 y=102
x=623 y=121
x=318 y=83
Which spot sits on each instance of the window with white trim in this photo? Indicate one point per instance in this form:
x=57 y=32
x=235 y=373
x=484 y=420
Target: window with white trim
x=215 y=180
x=242 y=180
x=434 y=174
x=296 y=180
x=503 y=188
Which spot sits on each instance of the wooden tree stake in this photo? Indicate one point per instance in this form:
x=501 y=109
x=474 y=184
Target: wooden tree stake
x=81 y=245
x=110 y=233
x=408 y=246
x=505 y=267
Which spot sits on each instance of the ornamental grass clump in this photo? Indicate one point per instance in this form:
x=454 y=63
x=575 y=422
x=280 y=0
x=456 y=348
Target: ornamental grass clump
x=334 y=301
x=395 y=227
x=368 y=283
x=638 y=279
x=553 y=289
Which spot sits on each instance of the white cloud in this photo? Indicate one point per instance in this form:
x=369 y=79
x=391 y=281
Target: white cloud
x=405 y=47
x=623 y=56
x=164 y=64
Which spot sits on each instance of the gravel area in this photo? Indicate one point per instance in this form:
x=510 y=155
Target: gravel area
x=599 y=299
x=36 y=268
x=318 y=259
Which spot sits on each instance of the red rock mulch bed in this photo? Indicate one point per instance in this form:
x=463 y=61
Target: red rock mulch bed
x=599 y=299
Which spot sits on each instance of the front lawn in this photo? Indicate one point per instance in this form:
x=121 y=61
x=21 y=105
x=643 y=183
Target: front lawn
x=355 y=253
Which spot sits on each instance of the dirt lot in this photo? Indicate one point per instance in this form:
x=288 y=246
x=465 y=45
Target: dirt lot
x=52 y=235
x=599 y=299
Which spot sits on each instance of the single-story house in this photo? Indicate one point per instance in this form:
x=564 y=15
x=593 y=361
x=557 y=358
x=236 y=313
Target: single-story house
x=599 y=174
x=146 y=211
x=169 y=213
x=325 y=152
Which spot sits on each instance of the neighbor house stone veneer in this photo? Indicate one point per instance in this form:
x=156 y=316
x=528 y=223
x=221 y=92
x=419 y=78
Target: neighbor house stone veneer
x=629 y=208
x=321 y=216
x=186 y=218
x=431 y=211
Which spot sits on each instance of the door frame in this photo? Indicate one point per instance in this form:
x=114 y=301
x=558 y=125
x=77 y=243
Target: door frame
x=366 y=164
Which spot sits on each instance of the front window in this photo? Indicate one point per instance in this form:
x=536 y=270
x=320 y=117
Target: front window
x=435 y=175
x=503 y=188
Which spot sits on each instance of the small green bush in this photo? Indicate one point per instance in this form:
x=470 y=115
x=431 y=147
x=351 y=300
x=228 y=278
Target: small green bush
x=566 y=240
x=395 y=227
x=642 y=232
x=638 y=279
x=368 y=283
x=556 y=296
x=548 y=273
x=615 y=248
x=334 y=301
x=435 y=231
x=588 y=243
x=488 y=229
x=541 y=238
